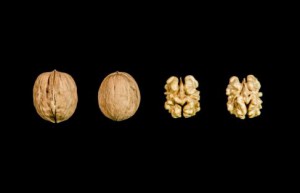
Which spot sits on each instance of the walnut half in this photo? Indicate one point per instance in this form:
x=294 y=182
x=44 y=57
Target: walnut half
x=244 y=98
x=182 y=98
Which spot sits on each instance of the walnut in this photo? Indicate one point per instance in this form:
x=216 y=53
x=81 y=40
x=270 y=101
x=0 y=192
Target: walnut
x=244 y=97
x=119 y=96
x=55 y=96
x=181 y=95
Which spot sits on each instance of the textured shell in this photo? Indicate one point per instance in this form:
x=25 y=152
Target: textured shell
x=119 y=96
x=55 y=96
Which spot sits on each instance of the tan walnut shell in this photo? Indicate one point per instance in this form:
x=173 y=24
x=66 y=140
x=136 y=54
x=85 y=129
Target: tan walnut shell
x=55 y=96
x=182 y=98
x=244 y=97
x=119 y=96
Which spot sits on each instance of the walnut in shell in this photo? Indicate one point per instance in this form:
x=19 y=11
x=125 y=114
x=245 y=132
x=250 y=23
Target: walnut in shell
x=55 y=96
x=244 y=98
x=119 y=96
x=182 y=98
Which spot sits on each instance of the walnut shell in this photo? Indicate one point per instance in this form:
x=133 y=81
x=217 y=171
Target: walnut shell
x=119 y=96
x=55 y=96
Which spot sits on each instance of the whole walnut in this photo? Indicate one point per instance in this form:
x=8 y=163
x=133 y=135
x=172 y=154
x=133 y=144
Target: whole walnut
x=55 y=96
x=119 y=96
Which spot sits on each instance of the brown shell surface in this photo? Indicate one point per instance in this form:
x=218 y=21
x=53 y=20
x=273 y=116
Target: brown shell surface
x=55 y=96
x=119 y=96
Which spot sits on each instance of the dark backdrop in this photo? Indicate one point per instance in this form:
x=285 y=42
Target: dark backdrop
x=212 y=52
x=212 y=49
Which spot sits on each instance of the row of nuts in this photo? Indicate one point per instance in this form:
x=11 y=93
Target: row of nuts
x=55 y=96
x=243 y=98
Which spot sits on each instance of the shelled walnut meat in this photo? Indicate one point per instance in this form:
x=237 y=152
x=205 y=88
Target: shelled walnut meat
x=119 y=96
x=55 y=96
x=182 y=98
x=244 y=98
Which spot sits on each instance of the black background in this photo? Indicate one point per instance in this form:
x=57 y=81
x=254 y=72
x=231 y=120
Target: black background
x=212 y=46
x=211 y=41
